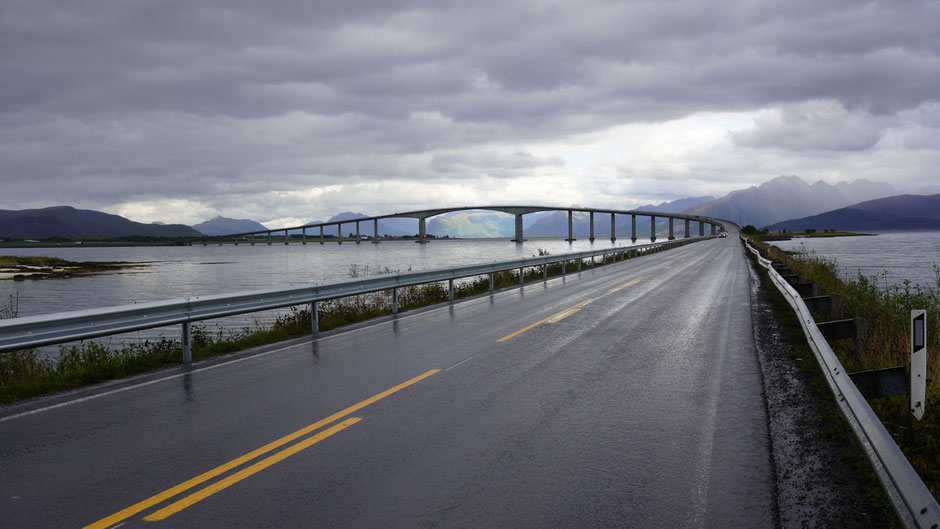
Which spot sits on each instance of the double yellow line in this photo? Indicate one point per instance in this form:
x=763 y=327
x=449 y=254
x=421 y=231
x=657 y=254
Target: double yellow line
x=253 y=469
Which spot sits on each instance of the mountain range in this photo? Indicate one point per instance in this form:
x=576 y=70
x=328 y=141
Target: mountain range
x=789 y=197
x=775 y=201
x=901 y=212
x=66 y=221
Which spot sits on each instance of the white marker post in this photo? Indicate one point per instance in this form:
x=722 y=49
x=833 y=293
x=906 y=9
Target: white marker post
x=918 y=362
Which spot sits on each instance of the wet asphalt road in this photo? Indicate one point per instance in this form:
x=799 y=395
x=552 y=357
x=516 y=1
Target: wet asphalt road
x=640 y=407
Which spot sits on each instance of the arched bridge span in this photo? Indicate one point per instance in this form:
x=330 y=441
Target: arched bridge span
x=517 y=211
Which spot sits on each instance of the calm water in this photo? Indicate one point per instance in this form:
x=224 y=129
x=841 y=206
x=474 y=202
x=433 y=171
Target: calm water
x=899 y=255
x=182 y=271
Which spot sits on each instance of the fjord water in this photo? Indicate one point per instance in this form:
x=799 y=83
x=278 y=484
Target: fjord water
x=186 y=271
x=891 y=256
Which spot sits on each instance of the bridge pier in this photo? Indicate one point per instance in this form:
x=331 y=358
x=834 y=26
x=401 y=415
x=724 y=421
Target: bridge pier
x=687 y=234
x=286 y=237
x=613 y=227
x=570 y=230
x=701 y=228
x=671 y=234
x=422 y=231
x=339 y=233
x=269 y=238
x=714 y=229
x=591 y=237
x=519 y=237
x=303 y=236
x=358 y=237
x=321 y=234
x=633 y=225
x=652 y=228
x=375 y=231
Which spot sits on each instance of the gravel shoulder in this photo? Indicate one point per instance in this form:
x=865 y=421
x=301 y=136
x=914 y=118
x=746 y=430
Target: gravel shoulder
x=822 y=476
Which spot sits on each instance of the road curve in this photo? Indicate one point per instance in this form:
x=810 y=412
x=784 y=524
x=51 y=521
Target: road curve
x=625 y=396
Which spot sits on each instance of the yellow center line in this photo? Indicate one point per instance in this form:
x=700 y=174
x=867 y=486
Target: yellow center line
x=629 y=284
x=246 y=472
x=536 y=324
x=221 y=469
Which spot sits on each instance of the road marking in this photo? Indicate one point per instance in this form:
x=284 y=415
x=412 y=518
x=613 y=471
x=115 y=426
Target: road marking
x=629 y=284
x=247 y=472
x=536 y=324
x=563 y=315
x=668 y=266
x=221 y=469
x=465 y=360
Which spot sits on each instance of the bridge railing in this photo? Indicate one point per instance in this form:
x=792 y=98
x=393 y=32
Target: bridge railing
x=915 y=505
x=50 y=329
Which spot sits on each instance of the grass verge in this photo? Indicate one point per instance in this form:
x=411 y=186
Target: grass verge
x=886 y=309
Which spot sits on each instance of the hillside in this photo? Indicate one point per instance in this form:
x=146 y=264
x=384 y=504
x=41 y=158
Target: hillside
x=226 y=226
x=789 y=197
x=901 y=212
x=68 y=222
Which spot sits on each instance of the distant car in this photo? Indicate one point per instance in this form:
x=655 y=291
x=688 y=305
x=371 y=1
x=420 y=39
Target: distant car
x=722 y=235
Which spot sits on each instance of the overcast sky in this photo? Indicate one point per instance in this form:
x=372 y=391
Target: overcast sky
x=284 y=112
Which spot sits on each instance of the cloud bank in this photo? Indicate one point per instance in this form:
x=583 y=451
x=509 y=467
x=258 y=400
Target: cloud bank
x=176 y=111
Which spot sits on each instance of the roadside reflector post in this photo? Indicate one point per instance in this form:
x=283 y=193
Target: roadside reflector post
x=187 y=339
x=394 y=300
x=545 y=271
x=918 y=362
x=314 y=318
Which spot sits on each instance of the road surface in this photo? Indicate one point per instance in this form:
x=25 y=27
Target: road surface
x=625 y=396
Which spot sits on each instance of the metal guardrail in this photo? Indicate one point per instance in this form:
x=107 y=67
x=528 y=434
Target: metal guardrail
x=49 y=329
x=913 y=502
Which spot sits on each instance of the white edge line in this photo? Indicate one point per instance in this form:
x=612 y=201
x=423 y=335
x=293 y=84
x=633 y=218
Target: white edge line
x=465 y=360
x=237 y=360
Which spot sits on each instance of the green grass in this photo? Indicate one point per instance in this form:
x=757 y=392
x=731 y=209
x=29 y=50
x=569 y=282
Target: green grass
x=886 y=309
x=8 y=261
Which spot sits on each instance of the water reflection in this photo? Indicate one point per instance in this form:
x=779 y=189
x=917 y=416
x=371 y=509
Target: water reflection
x=188 y=393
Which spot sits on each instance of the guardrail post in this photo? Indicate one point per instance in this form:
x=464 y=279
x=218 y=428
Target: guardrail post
x=545 y=271
x=187 y=339
x=579 y=263
x=394 y=300
x=492 y=280
x=521 y=275
x=314 y=318
x=450 y=289
x=563 y=263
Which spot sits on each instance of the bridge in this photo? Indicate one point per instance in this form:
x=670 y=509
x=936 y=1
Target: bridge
x=518 y=211
x=626 y=395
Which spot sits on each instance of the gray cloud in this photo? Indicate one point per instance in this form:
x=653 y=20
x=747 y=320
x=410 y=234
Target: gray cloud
x=114 y=102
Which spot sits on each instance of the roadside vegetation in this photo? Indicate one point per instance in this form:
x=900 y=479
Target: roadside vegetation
x=886 y=310
x=29 y=373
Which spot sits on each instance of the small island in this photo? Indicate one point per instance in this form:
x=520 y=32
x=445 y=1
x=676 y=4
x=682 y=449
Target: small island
x=22 y=267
